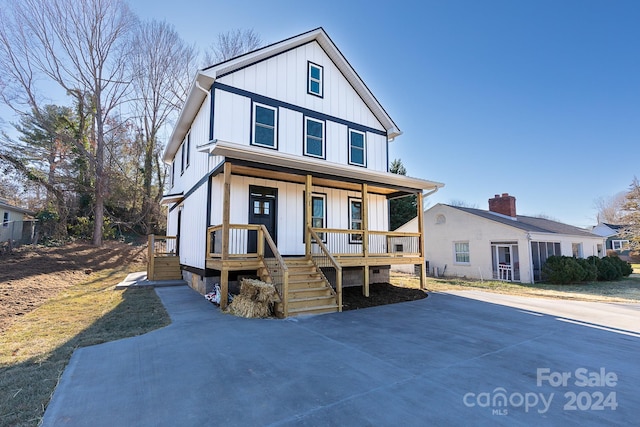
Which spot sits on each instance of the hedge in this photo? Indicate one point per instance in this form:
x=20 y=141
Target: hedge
x=564 y=270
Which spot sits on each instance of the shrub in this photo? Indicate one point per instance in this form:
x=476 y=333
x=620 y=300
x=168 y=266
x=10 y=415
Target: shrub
x=563 y=270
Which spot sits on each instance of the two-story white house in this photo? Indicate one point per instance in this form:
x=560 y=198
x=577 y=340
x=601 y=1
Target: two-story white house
x=279 y=168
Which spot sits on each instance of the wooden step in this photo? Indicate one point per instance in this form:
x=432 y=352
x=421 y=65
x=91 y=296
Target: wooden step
x=310 y=302
x=313 y=310
x=305 y=283
x=310 y=292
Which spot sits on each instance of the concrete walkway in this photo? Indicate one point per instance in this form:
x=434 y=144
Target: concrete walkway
x=139 y=280
x=444 y=360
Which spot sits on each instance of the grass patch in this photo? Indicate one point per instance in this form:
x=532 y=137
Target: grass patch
x=35 y=349
x=626 y=290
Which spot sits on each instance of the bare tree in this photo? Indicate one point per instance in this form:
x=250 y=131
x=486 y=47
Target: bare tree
x=162 y=67
x=462 y=204
x=83 y=47
x=231 y=44
x=610 y=208
x=631 y=216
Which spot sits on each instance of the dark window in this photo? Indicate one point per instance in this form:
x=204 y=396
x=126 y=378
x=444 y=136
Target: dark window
x=314 y=80
x=265 y=124
x=357 y=148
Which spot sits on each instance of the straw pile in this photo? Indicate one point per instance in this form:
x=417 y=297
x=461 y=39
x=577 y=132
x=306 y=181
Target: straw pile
x=255 y=300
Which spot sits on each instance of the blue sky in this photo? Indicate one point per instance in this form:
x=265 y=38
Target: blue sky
x=540 y=99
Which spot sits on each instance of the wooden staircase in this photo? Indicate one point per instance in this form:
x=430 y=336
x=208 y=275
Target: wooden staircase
x=309 y=291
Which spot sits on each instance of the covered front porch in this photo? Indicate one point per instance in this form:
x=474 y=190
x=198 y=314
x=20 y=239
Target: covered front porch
x=241 y=247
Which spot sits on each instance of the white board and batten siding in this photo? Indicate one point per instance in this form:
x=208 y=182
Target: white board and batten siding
x=290 y=209
x=284 y=78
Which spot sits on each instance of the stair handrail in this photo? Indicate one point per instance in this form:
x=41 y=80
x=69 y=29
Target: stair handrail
x=333 y=261
x=283 y=266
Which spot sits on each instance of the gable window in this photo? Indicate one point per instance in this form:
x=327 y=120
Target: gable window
x=355 y=220
x=461 y=251
x=265 y=125
x=357 y=148
x=313 y=137
x=5 y=219
x=314 y=79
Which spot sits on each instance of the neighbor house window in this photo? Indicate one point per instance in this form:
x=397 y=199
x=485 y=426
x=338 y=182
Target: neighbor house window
x=314 y=80
x=355 y=219
x=576 y=249
x=5 y=219
x=461 y=251
x=619 y=245
x=313 y=137
x=357 y=148
x=265 y=125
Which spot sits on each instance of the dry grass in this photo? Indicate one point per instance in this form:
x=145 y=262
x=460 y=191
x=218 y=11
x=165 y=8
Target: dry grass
x=627 y=290
x=636 y=268
x=35 y=349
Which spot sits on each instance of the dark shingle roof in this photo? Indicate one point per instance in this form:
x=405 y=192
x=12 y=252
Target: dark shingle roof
x=529 y=223
x=614 y=227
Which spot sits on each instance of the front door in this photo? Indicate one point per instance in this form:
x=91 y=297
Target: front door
x=262 y=210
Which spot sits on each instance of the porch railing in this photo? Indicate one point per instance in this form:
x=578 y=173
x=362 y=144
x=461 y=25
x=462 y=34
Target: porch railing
x=160 y=247
x=327 y=264
x=250 y=241
x=380 y=243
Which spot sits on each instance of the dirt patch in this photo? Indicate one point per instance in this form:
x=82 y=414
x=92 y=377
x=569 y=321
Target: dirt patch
x=31 y=275
x=379 y=294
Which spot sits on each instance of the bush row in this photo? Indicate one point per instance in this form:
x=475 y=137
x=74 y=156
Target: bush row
x=563 y=269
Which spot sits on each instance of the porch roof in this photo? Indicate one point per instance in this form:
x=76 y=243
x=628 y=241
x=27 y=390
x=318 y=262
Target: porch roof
x=264 y=163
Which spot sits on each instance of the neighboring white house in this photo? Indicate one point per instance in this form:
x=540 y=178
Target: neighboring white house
x=498 y=243
x=17 y=223
x=289 y=137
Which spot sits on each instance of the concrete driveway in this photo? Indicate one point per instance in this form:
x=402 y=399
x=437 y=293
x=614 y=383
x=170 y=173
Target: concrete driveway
x=444 y=360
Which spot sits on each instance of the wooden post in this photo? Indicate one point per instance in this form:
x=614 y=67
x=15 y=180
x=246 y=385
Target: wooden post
x=365 y=238
x=420 y=219
x=339 y=287
x=260 y=243
x=150 y=263
x=224 y=286
x=226 y=207
x=307 y=216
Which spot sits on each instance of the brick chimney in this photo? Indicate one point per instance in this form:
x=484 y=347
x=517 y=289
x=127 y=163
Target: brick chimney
x=503 y=204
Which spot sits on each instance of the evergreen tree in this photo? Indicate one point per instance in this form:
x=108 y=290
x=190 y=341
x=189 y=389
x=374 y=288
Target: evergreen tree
x=402 y=209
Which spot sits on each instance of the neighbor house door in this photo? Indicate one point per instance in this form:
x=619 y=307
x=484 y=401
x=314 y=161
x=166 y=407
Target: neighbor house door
x=262 y=210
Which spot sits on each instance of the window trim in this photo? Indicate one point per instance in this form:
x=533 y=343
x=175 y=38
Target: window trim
x=317 y=195
x=621 y=243
x=456 y=252
x=6 y=219
x=306 y=136
x=181 y=158
x=254 y=106
x=358 y=237
x=187 y=145
x=311 y=79
x=364 y=148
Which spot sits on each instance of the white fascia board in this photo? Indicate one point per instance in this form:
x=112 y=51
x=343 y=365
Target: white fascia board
x=279 y=159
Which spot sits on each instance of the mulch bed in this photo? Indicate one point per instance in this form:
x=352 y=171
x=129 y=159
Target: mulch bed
x=379 y=294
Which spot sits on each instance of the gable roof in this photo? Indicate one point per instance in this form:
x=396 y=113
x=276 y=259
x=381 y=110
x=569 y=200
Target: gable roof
x=529 y=223
x=205 y=78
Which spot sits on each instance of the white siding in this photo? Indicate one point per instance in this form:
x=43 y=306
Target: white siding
x=193 y=230
x=290 y=209
x=284 y=78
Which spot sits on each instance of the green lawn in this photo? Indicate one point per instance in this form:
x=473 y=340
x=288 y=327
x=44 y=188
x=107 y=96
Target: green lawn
x=35 y=349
